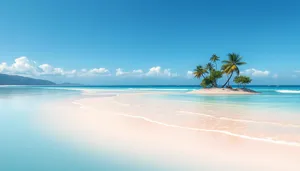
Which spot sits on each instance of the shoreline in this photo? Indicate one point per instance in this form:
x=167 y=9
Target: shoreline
x=140 y=126
x=224 y=91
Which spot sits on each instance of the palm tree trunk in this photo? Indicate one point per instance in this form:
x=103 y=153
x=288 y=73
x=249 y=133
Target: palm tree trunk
x=216 y=70
x=227 y=80
x=215 y=84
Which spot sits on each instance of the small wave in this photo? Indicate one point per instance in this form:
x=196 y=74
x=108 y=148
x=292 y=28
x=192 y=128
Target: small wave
x=12 y=86
x=268 y=140
x=193 y=113
x=288 y=91
x=241 y=120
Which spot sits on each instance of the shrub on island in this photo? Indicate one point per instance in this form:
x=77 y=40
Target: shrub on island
x=242 y=80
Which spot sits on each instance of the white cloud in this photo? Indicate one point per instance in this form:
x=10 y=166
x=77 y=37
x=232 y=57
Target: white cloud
x=94 y=72
x=138 y=71
x=23 y=66
x=98 y=71
x=71 y=73
x=157 y=71
x=256 y=73
x=167 y=72
x=121 y=72
x=47 y=69
x=189 y=74
x=154 y=71
x=20 y=66
x=3 y=67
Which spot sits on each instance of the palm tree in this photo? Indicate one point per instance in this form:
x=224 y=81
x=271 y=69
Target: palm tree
x=199 y=71
x=214 y=58
x=231 y=65
x=209 y=66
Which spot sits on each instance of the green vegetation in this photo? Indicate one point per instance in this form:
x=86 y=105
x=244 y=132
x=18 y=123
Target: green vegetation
x=242 y=80
x=210 y=73
x=214 y=58
x=231 y=65
x=200 y=72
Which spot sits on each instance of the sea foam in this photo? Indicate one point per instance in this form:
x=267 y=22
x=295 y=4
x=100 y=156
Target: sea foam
x=267 y=140
x=289 y=91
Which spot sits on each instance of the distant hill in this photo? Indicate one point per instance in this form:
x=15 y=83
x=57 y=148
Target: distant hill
x=19 y=80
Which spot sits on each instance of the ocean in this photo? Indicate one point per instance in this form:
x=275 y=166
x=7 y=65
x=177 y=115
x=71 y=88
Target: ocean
x=23 y=146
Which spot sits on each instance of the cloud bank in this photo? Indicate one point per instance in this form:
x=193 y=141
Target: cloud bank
x=189 y=74
x=256 y=72
x=24 y=66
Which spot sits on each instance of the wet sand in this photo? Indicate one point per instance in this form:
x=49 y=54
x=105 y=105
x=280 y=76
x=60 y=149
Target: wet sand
x=188 y=136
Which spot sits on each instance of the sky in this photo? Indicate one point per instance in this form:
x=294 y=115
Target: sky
x=107 y=42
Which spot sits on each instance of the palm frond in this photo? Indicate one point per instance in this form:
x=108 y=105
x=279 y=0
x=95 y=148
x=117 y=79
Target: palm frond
x=237 y=71
x=241 y=63
x=214 y=58
x=225 y=62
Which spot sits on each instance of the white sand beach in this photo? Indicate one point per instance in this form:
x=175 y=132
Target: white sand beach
x=188 y=136
x=222 y=91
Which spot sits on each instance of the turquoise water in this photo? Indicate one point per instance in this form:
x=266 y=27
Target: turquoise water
x=24 y=147
x=268 y=99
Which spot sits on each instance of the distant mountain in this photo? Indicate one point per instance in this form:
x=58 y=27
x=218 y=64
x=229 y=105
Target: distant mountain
x=19 y=80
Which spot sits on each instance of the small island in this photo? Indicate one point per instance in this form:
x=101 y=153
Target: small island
x=224 y=91
x=210 y=76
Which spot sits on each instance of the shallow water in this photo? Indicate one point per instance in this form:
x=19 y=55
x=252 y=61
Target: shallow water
x=24 y=146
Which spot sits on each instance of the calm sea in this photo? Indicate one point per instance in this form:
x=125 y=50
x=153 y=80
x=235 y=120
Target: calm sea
x=24 y=148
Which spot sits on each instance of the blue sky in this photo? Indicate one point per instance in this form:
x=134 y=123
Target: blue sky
x=87 y=41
